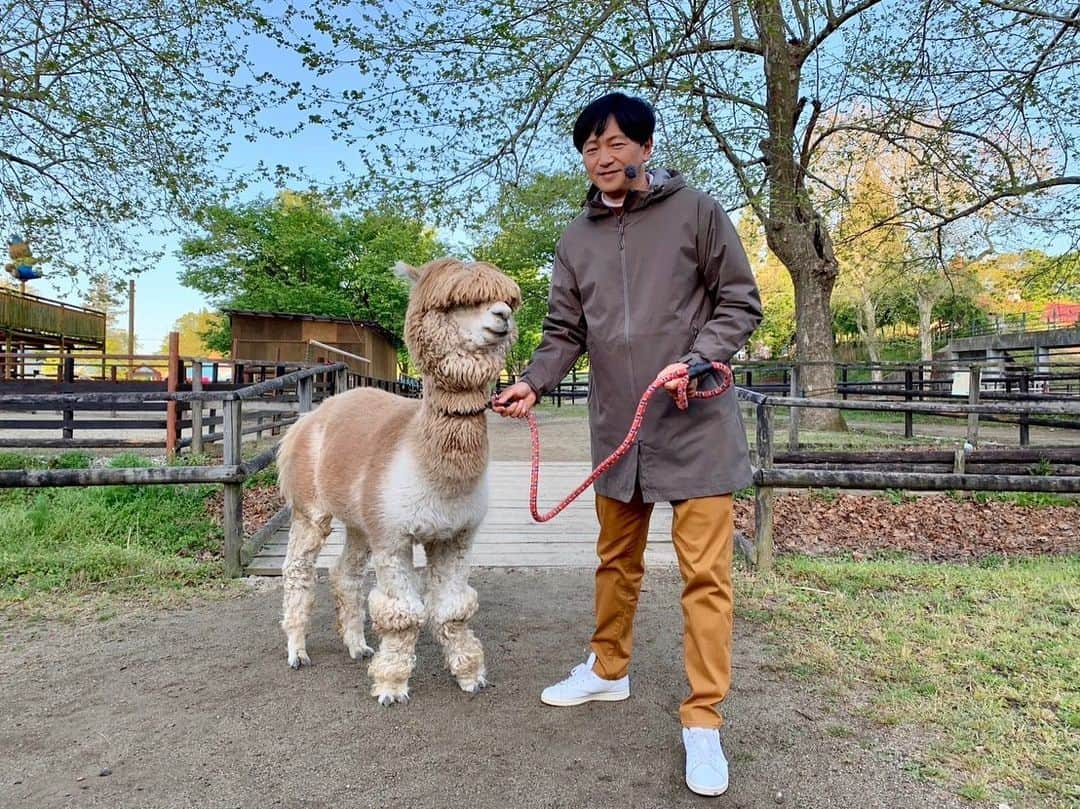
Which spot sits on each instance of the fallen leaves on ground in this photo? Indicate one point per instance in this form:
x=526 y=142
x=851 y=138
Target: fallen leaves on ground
x=260 y=503
x=934 y=527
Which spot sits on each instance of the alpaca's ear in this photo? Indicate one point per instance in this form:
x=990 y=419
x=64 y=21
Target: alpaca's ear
x=407 y=271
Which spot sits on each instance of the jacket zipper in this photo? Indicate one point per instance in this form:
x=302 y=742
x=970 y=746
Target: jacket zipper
x=626 y=295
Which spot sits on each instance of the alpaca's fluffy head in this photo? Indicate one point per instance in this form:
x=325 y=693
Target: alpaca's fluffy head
x=460 y=321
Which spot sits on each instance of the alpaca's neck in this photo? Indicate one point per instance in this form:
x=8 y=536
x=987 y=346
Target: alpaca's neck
x=451 y=436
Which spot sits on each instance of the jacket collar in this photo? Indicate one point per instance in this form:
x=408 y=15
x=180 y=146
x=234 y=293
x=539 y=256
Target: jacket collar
x=665 y=182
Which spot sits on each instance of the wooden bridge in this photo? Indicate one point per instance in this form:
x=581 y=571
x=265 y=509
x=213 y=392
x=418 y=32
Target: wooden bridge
x=509 y=537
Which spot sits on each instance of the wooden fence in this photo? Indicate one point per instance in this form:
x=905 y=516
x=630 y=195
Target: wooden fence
x=231 y=473
x=26 y=318
x=149 y=420
x=1050 y=470
x=919 y=382
x=842 y=470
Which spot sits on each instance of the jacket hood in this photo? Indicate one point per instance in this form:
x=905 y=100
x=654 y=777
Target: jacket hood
x=665 y=182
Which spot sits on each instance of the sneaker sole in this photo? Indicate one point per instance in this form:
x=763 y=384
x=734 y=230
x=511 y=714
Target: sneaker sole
x=607 y=696
x=711 y=792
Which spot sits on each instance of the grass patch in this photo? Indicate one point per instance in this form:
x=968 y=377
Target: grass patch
x=1026 y=498
x=984 y=655
x=105 y=538
x=63 y=460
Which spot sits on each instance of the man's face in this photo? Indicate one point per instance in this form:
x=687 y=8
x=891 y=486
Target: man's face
x=608 y=154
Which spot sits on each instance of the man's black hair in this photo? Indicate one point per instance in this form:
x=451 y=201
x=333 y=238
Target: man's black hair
x=634 y=116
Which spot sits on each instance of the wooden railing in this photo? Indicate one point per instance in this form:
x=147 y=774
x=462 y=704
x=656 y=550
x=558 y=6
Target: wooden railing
x=30 y=314
x=231 y=473
x=1054 y=471
x=910 y=382
x=768 y=476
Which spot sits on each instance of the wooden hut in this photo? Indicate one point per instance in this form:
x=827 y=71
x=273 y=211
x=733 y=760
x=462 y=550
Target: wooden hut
x=368 y=348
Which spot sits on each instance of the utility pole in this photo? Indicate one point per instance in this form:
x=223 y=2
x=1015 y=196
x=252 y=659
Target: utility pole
x=131 y=328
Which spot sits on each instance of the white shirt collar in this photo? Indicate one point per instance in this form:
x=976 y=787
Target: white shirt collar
x=604 y=198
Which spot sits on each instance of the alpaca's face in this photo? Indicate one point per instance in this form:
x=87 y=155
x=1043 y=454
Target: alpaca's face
x=487 y=326
x=465 y=347
x=460 y=323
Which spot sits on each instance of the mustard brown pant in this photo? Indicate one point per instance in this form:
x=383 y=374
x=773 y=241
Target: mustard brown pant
x=702 y=530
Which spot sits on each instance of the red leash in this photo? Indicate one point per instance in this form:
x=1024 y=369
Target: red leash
x=682 y=397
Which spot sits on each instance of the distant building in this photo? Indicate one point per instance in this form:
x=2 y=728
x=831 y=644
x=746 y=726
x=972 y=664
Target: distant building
x=366 y=347
x=1062 y=314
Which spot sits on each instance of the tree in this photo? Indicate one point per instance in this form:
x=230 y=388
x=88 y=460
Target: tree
x=751 y=92
x=870 y=257
x=113 y=113
x=1029 y=276
x=775 y=336
x=529 y=219
x=297 y=254
x=105 y=295
x=194 y=329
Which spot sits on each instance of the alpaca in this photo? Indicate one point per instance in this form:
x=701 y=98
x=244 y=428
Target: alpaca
x=399 y=471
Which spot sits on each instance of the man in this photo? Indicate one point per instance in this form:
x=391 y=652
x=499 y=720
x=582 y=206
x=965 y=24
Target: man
x=648 y=278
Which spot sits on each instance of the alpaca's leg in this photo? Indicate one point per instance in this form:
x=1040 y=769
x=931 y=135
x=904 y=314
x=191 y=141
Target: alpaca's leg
x=346 y=581
x=396 y=616
x=306 y=537
x=451 y=603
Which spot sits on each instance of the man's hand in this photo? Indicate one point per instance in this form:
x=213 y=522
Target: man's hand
x=516 y=401
x=673 y=386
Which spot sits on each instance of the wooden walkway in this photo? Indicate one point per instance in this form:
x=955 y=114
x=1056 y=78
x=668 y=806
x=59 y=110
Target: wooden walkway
x=509 y=537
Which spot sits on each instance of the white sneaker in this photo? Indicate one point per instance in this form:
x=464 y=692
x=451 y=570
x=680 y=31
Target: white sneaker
x=706 y=765
x=583 y=685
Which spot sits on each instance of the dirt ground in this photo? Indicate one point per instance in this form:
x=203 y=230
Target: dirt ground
x=197 y=708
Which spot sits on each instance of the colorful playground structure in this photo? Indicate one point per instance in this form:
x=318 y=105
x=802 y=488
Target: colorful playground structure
x=23 y=264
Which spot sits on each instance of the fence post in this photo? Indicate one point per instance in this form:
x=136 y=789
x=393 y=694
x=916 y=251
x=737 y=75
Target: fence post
x=909 y=427
x=68 y=373
x=341 y=381
x=843 y=381
x=763 y=495
x=170 y=407
x=1025 y=430
x=793 y=412
x=974 y=383
x=234 y=492
x=303 y=393
x=196 y=409
x=959 y=461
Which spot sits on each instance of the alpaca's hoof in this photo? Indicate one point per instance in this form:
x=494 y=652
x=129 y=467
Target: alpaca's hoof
x=386 y=699
x=357 y=645
x=360 y=651
x=298 y=659
x=473 y=685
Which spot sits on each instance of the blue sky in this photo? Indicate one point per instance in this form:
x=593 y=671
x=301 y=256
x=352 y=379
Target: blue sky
x=160 y=299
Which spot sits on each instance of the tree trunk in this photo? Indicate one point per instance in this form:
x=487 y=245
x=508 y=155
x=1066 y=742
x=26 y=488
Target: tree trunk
x=925 y=304
x=814 y=340
x=868 y=326
x=794 y=230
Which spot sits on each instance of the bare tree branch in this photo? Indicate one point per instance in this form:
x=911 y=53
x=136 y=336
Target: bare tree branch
x=835 y=22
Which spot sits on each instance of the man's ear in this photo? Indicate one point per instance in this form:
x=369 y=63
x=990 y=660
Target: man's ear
x=408 y=272
x=647 y=147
